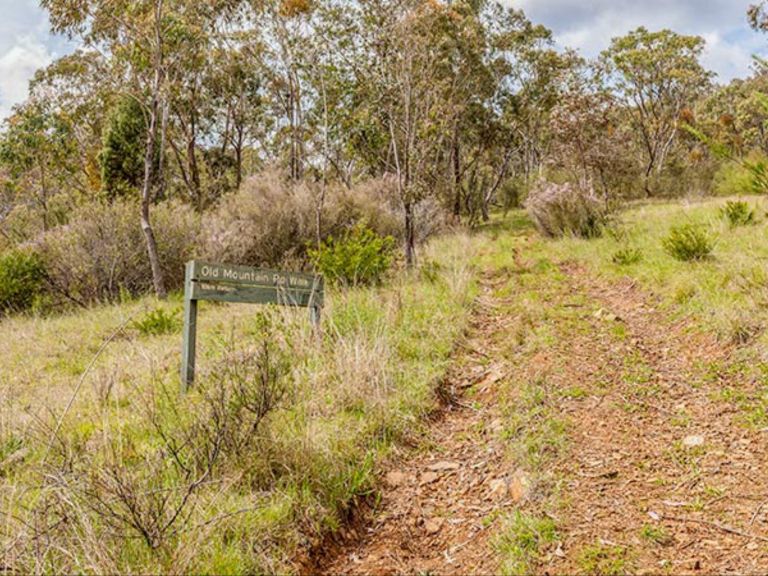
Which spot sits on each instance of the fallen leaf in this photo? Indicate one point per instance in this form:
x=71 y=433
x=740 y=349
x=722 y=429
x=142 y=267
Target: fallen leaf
x=395 y=478
x=429 y=477
x=497 y=490
x=433 y=525
x=441 y=466
x=693 y=441
x=519 y=486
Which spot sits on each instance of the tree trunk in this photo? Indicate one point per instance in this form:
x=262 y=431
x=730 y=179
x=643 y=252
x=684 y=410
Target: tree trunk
x=194 y=170
x=410 y=235
x=456 y=178
x=149 y=164
x=238 y=146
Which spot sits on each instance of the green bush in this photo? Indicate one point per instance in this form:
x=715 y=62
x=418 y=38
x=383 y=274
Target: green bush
x=627 y=256
x=158 y=322
x=22 y=277
x=732 y=179
x=689 y=242
x=359 y=257
x=737 y=213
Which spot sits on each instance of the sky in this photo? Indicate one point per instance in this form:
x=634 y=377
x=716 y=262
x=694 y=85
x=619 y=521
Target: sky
x=588 y=25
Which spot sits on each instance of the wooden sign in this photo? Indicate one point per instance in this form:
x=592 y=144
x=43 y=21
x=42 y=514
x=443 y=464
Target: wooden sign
x=242 y=284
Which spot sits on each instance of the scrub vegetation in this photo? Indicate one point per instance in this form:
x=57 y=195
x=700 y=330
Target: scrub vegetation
x=544 y=340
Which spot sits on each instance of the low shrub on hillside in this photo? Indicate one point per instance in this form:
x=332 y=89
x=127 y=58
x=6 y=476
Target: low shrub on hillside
x=737 y=213
x=22 y=278
x=270 y=221
x=627 y=256
x=562 y=209
x=359 y=257
x=158 y=322
x=102 y=252
x=689 y=242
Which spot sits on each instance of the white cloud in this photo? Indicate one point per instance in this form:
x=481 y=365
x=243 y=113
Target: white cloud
x=590 y=25
x=17 y=66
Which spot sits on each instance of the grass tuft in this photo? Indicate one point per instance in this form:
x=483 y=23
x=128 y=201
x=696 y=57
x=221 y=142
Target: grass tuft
x=521 y=541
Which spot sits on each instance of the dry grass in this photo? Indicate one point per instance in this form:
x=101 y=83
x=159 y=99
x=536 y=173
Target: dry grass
x=142 y=479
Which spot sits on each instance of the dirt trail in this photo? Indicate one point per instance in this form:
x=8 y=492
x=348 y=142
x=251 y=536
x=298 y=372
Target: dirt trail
x=662 y=475
x=658 y=475
x=434 y=502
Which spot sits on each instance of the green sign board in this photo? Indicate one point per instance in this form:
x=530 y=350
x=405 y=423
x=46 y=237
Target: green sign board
x=242 y=284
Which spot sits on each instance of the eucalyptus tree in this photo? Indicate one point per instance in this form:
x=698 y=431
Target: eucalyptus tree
x=423 y=83
x=657 y=75
x=78 y=88
x=38 y=150
x=146 y=42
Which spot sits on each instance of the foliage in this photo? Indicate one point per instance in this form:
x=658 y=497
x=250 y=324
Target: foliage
x=560 y=209
x=272 y=220
x=627 y=256
x=738 y=213
x=102 y=252
x=158 y=322
x=122 y=154
x=733 y=179
x=688 y=242
x=522 y=538
x=657 y=75
x=726 y=139
x=591 y=138
x=22 y=278
x=37 y=148
x=359 y=257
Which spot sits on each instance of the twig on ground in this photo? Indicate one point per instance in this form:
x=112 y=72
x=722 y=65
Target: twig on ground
x=757 y=512
x=716 y=525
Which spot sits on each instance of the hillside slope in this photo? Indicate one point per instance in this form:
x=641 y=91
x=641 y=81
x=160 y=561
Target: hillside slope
x=518 y=405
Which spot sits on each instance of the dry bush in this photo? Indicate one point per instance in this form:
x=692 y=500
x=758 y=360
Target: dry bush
x=148 y=480
x=263 y=223
x=102 y=251
x=560 y=209
x=371 y=201
x=270 y=221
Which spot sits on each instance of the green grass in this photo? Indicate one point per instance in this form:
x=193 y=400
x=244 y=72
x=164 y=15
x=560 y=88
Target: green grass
x=365 y=384
x=724 y=292
x=604 y=559
x=654 y=535
x=521 y=541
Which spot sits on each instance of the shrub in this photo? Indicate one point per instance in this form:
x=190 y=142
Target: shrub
x=22 y=277
x=158 y=322
x=688 y=242
x=560 y=209
x=737 y=213
x=732 y=179
x=264 y=223
x=359 y=257
x=627 y=256
x=102 y=253
x=270 y=221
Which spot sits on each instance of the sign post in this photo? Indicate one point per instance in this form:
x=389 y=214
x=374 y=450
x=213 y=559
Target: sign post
x=241 y=284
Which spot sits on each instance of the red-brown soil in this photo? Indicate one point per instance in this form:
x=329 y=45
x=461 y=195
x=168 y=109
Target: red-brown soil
x=658 y=468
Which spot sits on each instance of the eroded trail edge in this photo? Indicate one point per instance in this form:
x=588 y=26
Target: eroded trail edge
x=436 y=500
